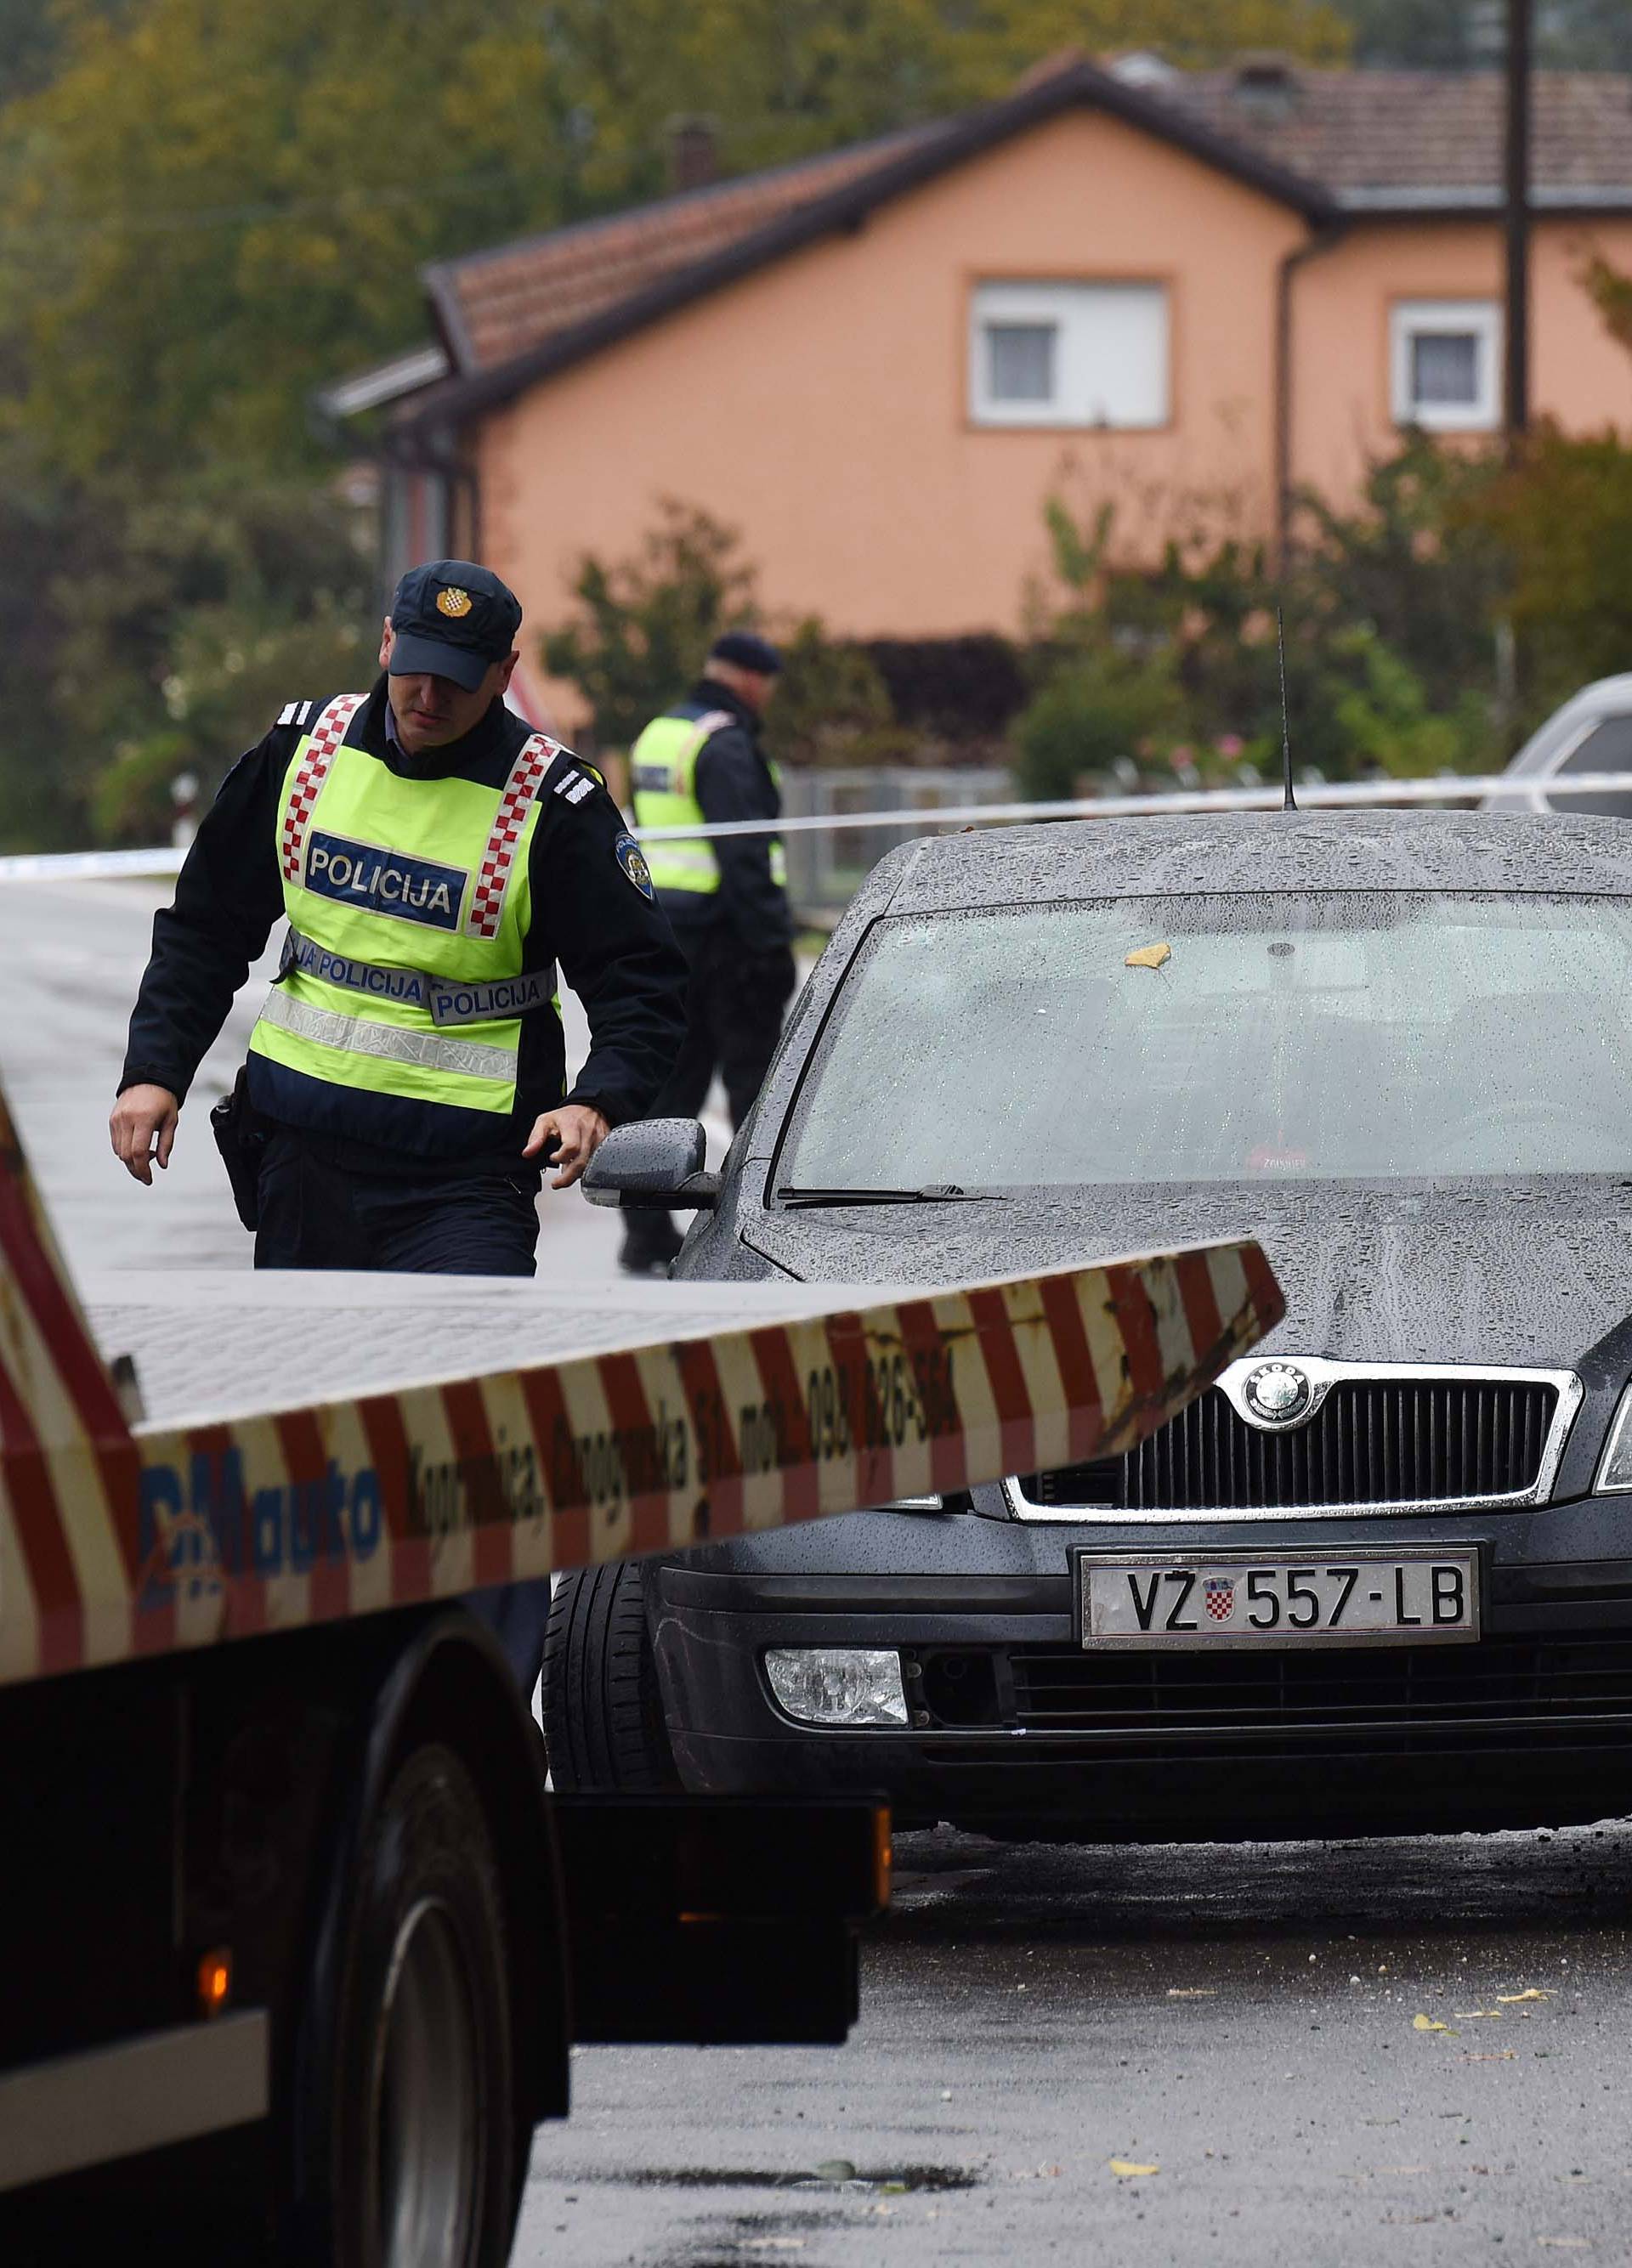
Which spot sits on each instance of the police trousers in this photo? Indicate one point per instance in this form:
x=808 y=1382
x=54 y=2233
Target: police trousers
x=733 y=1020
x=319 y=1211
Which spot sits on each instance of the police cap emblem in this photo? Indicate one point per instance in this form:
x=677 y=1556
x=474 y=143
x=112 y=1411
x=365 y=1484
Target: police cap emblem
x=632 y=859
x=453 y=602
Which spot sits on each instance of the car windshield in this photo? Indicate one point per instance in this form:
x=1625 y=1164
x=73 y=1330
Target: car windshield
x=1279 y=1034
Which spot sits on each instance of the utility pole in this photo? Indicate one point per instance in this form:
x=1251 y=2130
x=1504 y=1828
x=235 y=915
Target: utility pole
x=1515 y=389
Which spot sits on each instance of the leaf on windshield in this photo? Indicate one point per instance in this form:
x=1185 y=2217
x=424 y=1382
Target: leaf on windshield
x=1149 y=956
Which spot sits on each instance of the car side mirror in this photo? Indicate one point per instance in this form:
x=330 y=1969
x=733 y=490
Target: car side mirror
x=654 y=1165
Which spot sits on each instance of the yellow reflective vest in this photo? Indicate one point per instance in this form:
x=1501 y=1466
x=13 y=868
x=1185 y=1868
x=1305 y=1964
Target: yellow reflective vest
x=408 y=904
x=663 y=779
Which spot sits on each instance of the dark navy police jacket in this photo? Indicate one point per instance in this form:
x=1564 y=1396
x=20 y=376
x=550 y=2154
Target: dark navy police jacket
x=589 y=914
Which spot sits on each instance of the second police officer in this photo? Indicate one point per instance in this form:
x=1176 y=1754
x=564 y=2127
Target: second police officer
x=701 y=764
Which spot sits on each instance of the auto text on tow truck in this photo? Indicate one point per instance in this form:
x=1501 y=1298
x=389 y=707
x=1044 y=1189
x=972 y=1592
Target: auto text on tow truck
x=200 y=1519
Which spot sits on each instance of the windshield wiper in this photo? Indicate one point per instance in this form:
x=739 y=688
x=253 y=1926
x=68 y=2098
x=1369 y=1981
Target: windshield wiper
x=935 y=1193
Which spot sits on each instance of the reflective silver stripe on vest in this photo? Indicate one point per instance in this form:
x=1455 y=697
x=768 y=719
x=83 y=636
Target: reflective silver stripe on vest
x=468 y=1058
x=447 y=1001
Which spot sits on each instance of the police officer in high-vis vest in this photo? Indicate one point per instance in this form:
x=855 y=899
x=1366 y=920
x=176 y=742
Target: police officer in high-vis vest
x=726 y=896
x=436 y=860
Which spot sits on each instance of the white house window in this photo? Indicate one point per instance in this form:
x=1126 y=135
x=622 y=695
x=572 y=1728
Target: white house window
x=1446 y=358
x=1069 y=354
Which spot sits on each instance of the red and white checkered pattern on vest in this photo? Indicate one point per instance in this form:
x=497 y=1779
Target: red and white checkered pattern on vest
x=534 y=759
x=327 y=734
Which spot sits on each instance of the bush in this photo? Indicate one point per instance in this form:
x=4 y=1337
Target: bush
x=832 y=706
x=1562 y=519
x=1091 y=717
x=958 y=688
x=1388 y=617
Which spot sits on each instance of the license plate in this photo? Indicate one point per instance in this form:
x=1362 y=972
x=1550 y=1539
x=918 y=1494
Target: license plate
x=1233 y=1598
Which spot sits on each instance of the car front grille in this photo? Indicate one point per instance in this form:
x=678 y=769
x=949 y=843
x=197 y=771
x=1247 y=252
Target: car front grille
x=1532 y=1690
x=1394 y=1439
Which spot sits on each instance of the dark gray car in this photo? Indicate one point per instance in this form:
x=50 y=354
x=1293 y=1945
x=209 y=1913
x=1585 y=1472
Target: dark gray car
x=1380 y=1577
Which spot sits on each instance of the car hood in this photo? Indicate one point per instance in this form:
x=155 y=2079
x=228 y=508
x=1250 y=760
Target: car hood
x=1512 y=1272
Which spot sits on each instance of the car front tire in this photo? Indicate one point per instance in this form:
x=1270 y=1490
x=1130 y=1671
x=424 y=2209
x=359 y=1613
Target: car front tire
x=602 y=1708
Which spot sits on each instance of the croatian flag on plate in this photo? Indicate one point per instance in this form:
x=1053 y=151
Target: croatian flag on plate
x=1219 y=1593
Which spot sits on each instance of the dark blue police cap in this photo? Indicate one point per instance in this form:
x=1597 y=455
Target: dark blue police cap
x=748 y=652
x=452 y=619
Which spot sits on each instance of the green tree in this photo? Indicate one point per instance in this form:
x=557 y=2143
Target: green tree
x=996 y=38
x=779 y=79
x=1462 y=34
x=1418 y=560
x=197 y=620
x=646 y=623
x=1611 y=292
x=1562 y=517
x=1387 y=614
x=215 y=204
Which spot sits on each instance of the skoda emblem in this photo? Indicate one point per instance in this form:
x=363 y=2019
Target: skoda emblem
x=1277 y=1393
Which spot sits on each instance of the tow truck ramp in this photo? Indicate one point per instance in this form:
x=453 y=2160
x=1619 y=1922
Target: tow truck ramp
x=470 y=1431
x=242 y=1877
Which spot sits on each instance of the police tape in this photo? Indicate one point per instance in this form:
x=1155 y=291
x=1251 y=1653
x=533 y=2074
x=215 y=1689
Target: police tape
x=1532 y=791
x=118 y=1542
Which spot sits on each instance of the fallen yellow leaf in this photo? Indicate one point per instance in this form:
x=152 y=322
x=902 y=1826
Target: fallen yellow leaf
x=1532 y=1993
x=1427 y=2024
x=1192 y=1993
x=1466 y=2015
x=1149 y=956
x=1127 y=2169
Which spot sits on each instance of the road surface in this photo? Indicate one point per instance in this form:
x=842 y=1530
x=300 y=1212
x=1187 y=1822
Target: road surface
x=1244 y=2021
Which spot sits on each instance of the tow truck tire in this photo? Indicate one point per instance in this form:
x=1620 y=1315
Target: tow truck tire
x=603 y=1707
x=424 y=2153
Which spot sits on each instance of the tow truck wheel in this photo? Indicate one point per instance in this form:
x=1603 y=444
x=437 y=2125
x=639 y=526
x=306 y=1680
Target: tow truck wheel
x=602 y=1709
x=420 y=2165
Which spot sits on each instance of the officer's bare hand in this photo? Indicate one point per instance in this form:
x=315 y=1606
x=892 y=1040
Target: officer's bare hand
x=142 y=1129
x=578 y=1130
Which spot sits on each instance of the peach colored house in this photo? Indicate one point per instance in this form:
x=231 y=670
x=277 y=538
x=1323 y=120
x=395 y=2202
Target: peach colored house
x=1188 y=293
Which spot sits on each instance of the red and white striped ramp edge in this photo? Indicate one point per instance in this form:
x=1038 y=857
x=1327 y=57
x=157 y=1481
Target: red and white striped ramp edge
x=119 y=1541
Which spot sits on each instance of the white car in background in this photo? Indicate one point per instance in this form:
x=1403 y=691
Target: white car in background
x=1591 y=732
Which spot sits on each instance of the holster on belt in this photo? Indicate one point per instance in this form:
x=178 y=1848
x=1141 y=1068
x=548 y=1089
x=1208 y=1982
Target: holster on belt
x=241 y=1135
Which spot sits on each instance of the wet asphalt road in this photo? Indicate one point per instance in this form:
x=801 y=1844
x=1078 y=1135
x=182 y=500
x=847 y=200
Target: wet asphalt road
x=1242 y=2019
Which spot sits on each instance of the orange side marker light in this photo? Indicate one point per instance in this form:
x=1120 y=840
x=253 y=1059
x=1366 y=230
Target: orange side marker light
x=215 y=1980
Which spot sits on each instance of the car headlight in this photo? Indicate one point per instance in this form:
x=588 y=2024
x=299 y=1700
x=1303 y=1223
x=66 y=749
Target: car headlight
x=838 y=1684
x=1615 y=1467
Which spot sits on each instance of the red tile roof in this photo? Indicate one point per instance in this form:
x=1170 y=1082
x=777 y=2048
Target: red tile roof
x=1398 y=131
x=497 y=304
x=1322 y=141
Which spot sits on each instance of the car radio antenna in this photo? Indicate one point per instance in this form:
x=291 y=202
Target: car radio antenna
x=1288 y=801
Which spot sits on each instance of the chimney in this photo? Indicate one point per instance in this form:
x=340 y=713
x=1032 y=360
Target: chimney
x=693 y=152
x=1266 y=84
x=1142 y=67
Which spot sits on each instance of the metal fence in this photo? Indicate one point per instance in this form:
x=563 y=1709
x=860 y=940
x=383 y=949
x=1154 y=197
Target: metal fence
x=826 y=863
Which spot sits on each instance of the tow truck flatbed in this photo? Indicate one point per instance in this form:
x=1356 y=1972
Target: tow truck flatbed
x=259 y=1869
